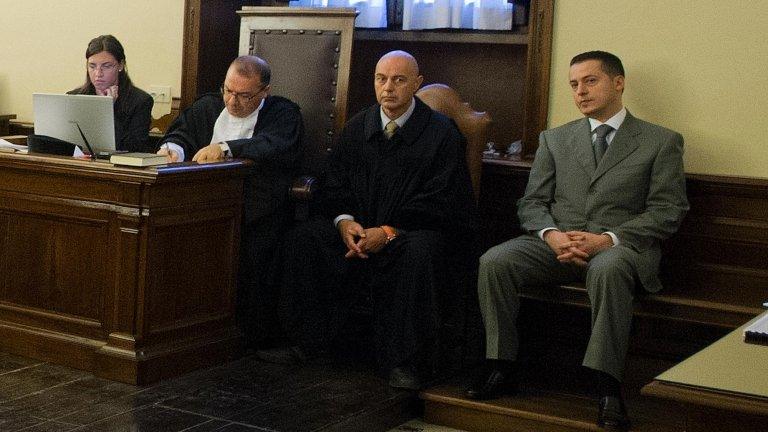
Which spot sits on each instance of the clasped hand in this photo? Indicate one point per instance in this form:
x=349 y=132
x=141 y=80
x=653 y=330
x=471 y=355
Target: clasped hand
x=576 y=247
x=361 y=241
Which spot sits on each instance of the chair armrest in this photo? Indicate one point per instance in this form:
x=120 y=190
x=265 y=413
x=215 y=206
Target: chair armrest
x=302 y=188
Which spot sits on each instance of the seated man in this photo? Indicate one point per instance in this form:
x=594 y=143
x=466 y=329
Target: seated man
x=244 y=121
x=396 y=206
x=603 y=192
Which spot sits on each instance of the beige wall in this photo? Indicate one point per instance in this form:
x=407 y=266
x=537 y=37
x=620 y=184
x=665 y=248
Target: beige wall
x=42 y=45
x=699 y=67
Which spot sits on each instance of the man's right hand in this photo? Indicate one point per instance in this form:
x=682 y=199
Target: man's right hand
x=565 y=248
x=170 y=154
x=352 y=234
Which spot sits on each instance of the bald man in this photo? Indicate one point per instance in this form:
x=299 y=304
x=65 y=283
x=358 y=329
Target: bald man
x=245 y=121
x=396 y=205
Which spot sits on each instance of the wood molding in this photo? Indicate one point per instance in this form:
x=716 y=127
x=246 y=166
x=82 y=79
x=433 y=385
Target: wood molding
x=190 y=52
x=536 y=101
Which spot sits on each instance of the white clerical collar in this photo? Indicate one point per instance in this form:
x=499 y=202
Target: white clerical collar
x=229 y=127
x=613 y=122
x=400 y=120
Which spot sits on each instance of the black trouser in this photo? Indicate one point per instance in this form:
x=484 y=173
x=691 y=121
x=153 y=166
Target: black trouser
x=404 y=280
x=257 y=295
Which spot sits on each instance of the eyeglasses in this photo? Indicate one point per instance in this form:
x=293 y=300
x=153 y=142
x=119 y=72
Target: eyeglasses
x=242 y=97
x=106 y=67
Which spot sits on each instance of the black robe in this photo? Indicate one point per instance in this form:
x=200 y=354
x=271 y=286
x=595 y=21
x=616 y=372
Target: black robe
x=275 y=150
x=416 y=182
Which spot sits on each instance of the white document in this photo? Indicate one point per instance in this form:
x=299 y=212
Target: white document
x=15 y=147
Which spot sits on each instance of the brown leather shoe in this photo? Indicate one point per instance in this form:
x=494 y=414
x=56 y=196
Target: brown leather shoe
x=613 y=414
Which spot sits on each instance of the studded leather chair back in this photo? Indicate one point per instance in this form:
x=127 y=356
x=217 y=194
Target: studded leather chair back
x=309 y=51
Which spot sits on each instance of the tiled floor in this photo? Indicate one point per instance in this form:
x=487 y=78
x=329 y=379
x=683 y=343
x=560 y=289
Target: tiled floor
x=419 y=426
x=243 y=395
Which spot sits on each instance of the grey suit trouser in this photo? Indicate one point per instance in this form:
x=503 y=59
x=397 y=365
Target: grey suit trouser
x=527 y=263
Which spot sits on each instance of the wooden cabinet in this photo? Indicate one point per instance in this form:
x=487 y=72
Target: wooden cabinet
x=128 y=273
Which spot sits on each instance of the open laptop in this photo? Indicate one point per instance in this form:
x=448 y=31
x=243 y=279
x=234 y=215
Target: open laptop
x=84 y=120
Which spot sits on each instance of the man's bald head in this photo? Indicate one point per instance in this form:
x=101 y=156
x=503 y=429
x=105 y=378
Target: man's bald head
x=396 y=81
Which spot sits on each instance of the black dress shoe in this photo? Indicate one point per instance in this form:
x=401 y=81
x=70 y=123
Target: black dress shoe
x=613 y=414
x=491 y=384
x=404 y=377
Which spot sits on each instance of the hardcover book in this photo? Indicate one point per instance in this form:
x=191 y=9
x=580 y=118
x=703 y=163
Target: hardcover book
x=138 y=159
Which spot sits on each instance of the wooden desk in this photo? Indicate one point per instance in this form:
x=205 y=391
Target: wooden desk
x=128 y=273
x=724 y=387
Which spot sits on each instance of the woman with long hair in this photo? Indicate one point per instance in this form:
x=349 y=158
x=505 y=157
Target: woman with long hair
x=106 y=75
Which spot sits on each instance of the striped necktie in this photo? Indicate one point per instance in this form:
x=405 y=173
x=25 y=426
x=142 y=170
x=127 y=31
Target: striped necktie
x=390 y=129
x=601 y=144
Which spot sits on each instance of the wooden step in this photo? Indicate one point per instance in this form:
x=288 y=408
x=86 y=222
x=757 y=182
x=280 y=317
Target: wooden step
x=532 y=411
x=537 y=410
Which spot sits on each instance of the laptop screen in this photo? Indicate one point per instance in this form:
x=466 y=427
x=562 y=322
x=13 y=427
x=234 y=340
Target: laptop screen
x=59 y=115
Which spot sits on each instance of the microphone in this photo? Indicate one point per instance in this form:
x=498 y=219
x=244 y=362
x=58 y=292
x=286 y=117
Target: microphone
x=85 y=140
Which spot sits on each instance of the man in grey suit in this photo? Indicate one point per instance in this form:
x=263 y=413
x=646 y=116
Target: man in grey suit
x=603 y=192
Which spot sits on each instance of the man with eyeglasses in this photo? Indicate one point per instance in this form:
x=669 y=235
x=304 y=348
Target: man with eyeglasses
x=245 y=121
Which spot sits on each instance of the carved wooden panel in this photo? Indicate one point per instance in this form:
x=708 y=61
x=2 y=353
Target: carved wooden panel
x=129 y=273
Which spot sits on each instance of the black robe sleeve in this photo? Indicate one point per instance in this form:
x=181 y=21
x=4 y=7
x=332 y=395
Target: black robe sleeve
x=335 y=195
x=193 y=128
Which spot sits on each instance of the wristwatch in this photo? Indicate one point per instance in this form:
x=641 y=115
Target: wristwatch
x=390 y=232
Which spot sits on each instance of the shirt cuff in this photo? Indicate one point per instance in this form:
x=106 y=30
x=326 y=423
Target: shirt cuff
x=342 y=217
x=542 y=232
x=175 y=148
x=225 y=149
x=613 y=237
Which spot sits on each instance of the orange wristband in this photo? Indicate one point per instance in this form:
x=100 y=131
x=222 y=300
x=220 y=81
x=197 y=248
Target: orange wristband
x=389 y=231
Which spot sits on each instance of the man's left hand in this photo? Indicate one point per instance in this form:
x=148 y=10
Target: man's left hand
x=209 y=153
x=371 y=241
x=591 y=243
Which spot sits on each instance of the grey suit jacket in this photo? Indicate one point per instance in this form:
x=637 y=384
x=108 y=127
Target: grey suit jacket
x=637 y=190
